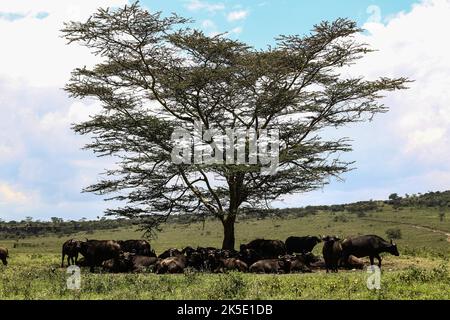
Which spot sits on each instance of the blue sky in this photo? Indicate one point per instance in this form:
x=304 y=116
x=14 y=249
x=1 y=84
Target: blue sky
x=267 y=19
x=42 y=166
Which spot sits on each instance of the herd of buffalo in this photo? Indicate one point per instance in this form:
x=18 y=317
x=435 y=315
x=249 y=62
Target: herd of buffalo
x=257 y=256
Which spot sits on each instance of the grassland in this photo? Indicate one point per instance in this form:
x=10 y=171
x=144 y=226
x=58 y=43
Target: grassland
x=421 y=272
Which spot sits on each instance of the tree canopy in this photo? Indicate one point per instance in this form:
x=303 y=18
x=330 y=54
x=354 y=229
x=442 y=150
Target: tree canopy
x=158 y=74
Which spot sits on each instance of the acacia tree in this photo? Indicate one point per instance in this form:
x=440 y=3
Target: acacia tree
x=158 y=74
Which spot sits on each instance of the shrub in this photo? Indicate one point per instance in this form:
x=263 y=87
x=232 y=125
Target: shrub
x=393 y=234
x=361 y=214
x=340 y=218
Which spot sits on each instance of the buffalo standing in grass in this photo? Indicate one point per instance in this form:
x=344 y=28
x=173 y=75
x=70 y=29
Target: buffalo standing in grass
x=332 y=252
x=71 y=248
x=301 y=244
x=3 y=255
x=97 y=251
x=367 y=246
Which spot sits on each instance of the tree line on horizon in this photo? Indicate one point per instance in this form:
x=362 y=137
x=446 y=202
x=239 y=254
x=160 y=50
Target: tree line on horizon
x=59 y=227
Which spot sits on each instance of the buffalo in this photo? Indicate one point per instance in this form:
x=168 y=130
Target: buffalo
x=301 y=244
x=249 y=256
x=266 y=249
x=128 y=262
x=368 y=246
x=82 y=262
x=3 y=255
x=188 y=250
x=140 y=263
x=332 y=251
x=352 y=263
x=97 y=251
x=117 y=265
x=171 y=265
x=318 y=264
x=172 y=252
x=231 y=264
x=139 y=247
x=271 y=266
x=71 y=248
x=196 y=260
x=300 y=262
x=226 y=254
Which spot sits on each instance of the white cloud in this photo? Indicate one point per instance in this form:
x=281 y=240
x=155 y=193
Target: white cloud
x=39 y=154
x=32 y=47
x=10 y=195
x=41 y=158
x=237 y=30
x=196 y=5
x=237 y=15
x=411 y=45
x=406 y=150
x=43 y=169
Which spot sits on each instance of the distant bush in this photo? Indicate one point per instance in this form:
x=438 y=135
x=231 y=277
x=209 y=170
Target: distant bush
x=394 y=234
x=428 y=200
x=27 y=228
x=340 y=218
x=361 y=214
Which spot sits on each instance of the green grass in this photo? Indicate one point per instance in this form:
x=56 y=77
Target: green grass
x=42 y=283
x=421 y=272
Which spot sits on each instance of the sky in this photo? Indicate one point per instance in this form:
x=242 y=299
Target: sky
x=42 y=166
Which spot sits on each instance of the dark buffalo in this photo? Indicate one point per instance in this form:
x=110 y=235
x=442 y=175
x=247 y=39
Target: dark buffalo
x=71 y=248
x=318 y=264
x=226 y=254
x=3 y=255
x=97 y=251
x=267 y=249
x=172 y=252
x=171 y=265
x=139 y=247
x=82 y=262
x=129 y=263
x=249 y=256
x=352 y=263
x=332 y=251
x=200 y=259
x=117 y=265
x=140 y=263
x=300 y=262
x=301 y=244
x=271 y=266
x=231 y=264
x=195 y=260
x=188 y=250
x=368 y=246
x=210 y=257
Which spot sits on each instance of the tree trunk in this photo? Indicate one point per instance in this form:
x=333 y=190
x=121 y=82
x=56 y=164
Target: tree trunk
x=228 y=234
